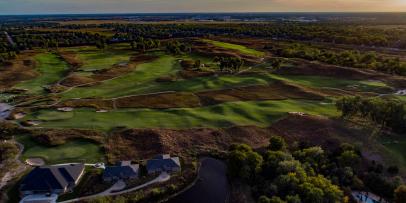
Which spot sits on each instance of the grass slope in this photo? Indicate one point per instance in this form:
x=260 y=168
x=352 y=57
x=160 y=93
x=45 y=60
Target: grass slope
x=96 y=59
x=51 y=69
x=72 y=151
x=242 y=49
x=260 y=113
x=143 y=75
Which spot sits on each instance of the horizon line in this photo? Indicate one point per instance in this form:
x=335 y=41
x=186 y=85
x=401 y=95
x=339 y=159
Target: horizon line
x=210 y=12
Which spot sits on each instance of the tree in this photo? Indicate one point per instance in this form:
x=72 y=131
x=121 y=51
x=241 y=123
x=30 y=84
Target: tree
x=276 y=143
x=400 y=194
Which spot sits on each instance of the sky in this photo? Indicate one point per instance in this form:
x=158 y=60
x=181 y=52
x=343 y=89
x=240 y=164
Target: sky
x=163 y=6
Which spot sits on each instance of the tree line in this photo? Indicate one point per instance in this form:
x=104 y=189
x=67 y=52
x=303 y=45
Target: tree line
x=355 y=59
x=386 y=113
x=308 y=174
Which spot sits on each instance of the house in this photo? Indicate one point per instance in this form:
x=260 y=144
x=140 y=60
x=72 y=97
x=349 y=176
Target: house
x=57 y=179
x=163 y=163
x=124 y=170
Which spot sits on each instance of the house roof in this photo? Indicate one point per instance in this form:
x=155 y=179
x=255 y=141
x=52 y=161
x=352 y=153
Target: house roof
x=163 y=161
x=120 y=171
x=46 y=178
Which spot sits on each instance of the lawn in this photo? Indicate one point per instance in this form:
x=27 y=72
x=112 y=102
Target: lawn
x=242 y=49
x=51 y=69
x=259 y=113
x=72 y=151
x=96 y=59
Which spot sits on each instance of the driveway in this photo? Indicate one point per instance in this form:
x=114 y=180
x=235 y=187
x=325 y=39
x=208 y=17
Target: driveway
x=119 y=185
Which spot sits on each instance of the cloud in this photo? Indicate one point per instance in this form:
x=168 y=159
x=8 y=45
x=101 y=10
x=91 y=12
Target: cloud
x=135 y=6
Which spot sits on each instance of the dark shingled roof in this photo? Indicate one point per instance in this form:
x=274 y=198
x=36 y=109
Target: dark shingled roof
x=47 y=178
x=120 y=171
x=162 y=162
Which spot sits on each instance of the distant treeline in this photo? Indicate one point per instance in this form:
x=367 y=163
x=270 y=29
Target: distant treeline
x=355 y=59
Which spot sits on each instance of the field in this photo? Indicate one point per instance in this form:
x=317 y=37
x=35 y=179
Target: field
x=118 y=88
x=72 y=151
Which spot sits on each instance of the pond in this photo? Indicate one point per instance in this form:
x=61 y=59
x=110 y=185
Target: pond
x=212 y=185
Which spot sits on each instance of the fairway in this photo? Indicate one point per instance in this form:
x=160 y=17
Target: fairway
x=259 y=113
x=51 y=69
x=72 y=151
x=330 y=82
x=124 y=85
x=97 y=59
x=242 y=49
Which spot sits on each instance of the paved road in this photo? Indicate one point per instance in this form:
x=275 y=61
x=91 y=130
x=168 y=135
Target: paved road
x=9 y=39
x=121 y=185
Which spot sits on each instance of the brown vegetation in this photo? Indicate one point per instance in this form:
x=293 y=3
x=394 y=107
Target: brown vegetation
x=20 y=69
x=53 y=137
x=140 y=143
x=276 y=91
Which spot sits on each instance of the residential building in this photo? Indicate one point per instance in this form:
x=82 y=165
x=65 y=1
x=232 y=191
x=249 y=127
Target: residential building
x=57 y=179
x=163 y=163
x=124 y=170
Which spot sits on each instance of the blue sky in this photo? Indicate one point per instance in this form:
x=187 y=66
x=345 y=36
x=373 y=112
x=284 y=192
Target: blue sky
x=137 y=6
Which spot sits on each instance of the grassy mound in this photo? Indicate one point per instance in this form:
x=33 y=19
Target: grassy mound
x=72 y=151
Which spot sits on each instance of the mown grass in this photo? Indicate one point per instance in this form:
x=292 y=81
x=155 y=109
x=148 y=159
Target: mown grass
x=259 y=113
x=242 y=49
x=51 y=69
x=72 y=151
x=331 y=82
x=143 y=75
x=97 y=59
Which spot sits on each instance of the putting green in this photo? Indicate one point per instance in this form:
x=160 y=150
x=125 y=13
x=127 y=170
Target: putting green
x=51 y=69
x=72 y=151
x=259 y=113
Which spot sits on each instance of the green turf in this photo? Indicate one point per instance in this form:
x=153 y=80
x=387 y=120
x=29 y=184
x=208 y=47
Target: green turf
x=143 y=75
x=330 y=82
x=72 y=151
x=96 y=59
x=51 y=69
x=260 y=113
x=240 y=48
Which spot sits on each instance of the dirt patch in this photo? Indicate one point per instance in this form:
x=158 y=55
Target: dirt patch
x=20 y=69
x=139 y=144
x=276 y=91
